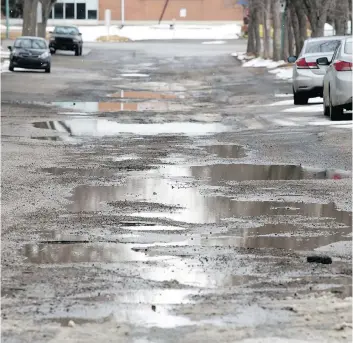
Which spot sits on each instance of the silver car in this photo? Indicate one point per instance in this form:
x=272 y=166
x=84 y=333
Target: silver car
x=337 y=91
x=308 y=76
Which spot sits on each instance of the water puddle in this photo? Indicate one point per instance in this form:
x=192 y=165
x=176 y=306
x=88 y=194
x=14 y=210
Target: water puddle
x=84 y=252
x=153 y=228
x=102 y=127
x=81 y=172
x=122 y=94
x=107 y=107
x=226 y=151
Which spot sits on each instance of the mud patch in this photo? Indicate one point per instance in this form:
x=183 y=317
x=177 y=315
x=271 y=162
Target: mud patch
x=103 y=127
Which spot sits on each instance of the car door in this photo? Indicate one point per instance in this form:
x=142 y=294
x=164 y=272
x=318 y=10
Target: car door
x=328 y=79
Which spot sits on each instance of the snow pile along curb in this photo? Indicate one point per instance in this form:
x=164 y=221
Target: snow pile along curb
x=280 y=69
x=5 y=62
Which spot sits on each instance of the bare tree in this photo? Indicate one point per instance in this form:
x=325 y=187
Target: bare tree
x=276 y=18
x=29 y=17
x=299 y=10
x=341 y=16
x=317 y=14
x=47 y=5
x=251 y=50
x=266 y=28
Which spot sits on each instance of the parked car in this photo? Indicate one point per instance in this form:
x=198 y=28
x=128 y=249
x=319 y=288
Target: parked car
x=337 y=91
x=66 y=38
x=30 y=53
x=308 y=76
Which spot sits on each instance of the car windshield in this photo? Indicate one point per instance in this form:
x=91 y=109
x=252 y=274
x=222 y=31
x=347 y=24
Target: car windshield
x=62 y=30
x=30 y=43
x=348 y=48
x=321 y=46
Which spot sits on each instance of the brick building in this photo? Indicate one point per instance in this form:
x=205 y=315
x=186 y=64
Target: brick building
x=146 y=11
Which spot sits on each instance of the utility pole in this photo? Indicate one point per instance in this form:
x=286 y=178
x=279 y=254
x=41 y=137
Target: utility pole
x=7 y=9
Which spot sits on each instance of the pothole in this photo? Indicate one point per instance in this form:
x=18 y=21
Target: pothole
x=102 y=127
x=102 y=107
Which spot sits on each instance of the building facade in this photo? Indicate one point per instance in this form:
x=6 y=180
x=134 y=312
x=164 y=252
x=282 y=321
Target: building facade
x=92 y=12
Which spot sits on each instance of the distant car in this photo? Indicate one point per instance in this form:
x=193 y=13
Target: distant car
x=30 y=53
x=337 y=92
x=66 y=38
x=308 y=76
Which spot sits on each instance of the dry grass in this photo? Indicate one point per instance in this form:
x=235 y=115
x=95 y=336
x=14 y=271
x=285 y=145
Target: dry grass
x=112 y=38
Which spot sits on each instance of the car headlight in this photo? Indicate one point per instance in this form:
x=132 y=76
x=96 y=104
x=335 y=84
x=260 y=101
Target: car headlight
x=14 y=53
x=44 y=55
x=76 y=40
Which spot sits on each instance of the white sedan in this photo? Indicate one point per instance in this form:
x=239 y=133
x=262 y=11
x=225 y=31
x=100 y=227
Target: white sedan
x=337 y=92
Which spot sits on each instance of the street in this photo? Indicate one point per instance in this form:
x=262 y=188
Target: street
x=160 y=192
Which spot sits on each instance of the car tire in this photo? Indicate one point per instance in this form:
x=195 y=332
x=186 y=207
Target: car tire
x=53 y=52
x=11 y=68
x=336 y=112
x=77 y=51
x=81 y=48
x=47 y=70
x=300 y=98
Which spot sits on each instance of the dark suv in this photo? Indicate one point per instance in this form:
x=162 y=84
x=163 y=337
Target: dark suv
x=66 y=38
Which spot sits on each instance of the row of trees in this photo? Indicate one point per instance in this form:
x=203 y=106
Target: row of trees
x=298 y=16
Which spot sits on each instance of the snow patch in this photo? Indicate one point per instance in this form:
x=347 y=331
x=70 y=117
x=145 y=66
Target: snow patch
x=215 y=42
x=5 y=66
x=134 y=75
x=304 y=109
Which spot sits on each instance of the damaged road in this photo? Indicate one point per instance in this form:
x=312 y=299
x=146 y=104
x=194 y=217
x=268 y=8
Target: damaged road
x=154 y=196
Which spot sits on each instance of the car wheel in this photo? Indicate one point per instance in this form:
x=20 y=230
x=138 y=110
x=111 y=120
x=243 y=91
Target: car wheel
x=11 y=68
x=53 y=52
x=81 y=48
x=47 y=70
x=336 y=112
x=300 y=98
x=77 y=51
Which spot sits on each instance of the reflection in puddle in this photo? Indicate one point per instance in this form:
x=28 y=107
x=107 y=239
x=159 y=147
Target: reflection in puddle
x=98 y=107
x=226 y=151
x=84 y=252
x=141 y=95
x=103 y=127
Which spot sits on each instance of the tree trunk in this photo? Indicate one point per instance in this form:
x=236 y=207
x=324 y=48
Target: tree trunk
x=29 y=17
x=290 y=34
x=267 y=28
x=302 y=21
x=286 y=37
x=317 y=14
x=46 y=8
x=341 y=15
x=250 y=50
x=257 y=9
x=276 y=17
x=295 y=28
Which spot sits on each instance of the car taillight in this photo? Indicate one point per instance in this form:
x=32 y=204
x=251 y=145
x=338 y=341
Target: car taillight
x=343 y=66
x=303 y=64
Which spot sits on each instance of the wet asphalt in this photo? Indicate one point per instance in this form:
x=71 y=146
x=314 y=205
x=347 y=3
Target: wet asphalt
x=159 y=192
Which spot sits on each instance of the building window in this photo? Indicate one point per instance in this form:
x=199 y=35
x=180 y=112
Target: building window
x=81 y=11
x=59 y=11
x=92 y=14
x=70 y=10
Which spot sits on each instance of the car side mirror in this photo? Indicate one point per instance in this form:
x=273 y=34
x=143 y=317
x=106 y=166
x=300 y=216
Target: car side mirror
x=10 y=48
x=292 y=59
x=323 y=61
